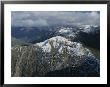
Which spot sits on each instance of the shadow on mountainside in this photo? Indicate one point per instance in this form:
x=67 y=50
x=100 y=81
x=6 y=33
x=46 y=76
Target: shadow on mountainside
x=90 y=68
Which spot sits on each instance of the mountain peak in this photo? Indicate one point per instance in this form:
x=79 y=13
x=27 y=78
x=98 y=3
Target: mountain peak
x=60 y=43
x=55 y=41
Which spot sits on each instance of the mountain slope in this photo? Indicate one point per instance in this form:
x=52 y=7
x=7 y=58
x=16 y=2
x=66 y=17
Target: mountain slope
x=53 y=54
x=15 y=42
x=89 y=68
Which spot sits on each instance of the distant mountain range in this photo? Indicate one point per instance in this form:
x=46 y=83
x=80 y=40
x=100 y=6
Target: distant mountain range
x=33 y=34
x=55 y=51
x=81 y=33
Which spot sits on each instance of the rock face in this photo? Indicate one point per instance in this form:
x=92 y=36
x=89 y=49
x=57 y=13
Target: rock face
x=56 y=56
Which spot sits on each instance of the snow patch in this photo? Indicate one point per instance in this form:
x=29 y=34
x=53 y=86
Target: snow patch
x=64 y=30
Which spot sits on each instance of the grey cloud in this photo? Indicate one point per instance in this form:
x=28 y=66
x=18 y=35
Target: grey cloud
x=46 y=18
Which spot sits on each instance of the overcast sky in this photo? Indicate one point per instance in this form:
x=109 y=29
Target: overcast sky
x=46 y=18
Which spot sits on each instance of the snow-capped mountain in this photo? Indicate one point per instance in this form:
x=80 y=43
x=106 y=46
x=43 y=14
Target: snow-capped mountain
x=67 y=32
x=86 y=34
x=57 y=42
x=89 y=28
x=60 y=43
x=78 y=28
x=72 y=33
x=56 y=53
